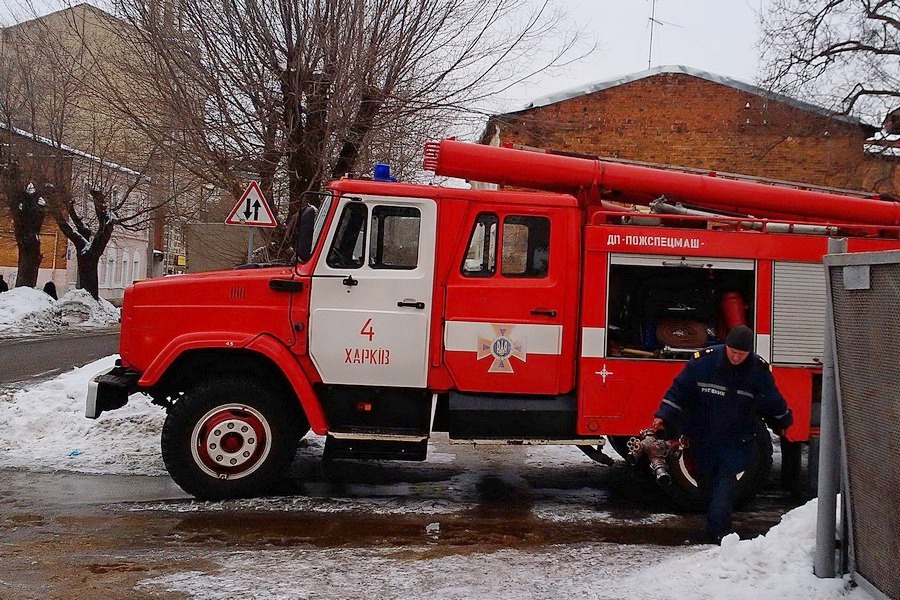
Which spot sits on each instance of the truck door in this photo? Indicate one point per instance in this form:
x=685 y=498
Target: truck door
x=511 y=303
x=370 y=299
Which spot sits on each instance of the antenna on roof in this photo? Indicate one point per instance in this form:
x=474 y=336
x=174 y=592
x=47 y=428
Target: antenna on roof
x=653 y=22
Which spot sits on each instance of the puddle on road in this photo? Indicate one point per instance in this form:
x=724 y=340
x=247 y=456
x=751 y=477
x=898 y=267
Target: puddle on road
x=472 y=509
x=483 y=510
x=485 y=528
x=449 y=508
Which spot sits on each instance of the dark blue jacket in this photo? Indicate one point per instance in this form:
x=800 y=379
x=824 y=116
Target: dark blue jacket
x=718 y=402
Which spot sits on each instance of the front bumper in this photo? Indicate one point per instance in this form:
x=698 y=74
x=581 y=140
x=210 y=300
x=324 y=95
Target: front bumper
x=109 y=390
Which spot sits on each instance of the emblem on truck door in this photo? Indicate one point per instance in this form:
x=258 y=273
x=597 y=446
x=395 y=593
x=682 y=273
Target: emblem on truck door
x=502 y=348
x=604 y=373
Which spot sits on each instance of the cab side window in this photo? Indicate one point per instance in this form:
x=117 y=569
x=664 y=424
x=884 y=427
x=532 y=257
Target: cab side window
x=526 y=246
x=395 y=237
x=349 y=241
x=481 y=256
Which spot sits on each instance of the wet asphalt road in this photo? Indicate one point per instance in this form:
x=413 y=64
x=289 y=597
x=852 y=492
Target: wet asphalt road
x=73 y=536
x=40 y=356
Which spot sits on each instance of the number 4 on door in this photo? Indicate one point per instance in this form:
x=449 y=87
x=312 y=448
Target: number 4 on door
x=369 y=332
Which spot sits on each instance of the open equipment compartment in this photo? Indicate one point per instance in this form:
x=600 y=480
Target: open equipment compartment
x=671 y=306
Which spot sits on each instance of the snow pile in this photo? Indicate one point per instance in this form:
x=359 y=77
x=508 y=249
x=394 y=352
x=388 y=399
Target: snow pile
x=78 y=307
x=29 y=310
x=777 y=565
x=45 y=429
x=773 y=567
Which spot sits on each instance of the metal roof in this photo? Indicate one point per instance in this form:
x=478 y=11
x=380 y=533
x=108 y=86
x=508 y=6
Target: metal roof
x=598 y=86
x=70 y=150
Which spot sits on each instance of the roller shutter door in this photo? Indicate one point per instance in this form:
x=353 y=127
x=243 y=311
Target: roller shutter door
x=798 y=312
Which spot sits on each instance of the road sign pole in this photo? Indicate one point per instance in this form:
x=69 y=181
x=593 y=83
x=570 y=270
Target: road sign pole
x=250 y=244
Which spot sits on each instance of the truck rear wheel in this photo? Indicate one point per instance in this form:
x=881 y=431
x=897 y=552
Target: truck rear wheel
x=686 y=494
x=229 y=437
x=619 y=444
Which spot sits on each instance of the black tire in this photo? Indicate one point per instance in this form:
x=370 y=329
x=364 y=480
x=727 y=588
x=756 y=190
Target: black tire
x=230 y=437
x=686 y=495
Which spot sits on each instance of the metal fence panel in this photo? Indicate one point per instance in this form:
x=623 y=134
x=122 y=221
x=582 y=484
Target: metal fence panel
x=865 y=291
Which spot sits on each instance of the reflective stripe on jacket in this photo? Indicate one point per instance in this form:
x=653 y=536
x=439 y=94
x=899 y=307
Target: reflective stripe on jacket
x=718 y=402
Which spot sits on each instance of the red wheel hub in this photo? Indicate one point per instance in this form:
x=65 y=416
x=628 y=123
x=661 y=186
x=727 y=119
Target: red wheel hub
x=232 y=442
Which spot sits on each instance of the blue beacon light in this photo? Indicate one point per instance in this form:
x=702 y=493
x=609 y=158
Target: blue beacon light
x=382 y=172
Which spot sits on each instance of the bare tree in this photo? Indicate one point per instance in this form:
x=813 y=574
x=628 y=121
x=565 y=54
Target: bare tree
x=110 y=198
x=23 y=174
x=842 y=53
x=20 y=190
x=293 y=92
x=53 y=114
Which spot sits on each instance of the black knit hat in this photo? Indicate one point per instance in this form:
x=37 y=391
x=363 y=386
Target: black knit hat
x=740 y=338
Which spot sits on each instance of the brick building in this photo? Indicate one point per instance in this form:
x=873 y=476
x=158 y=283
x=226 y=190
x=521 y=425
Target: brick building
x=682 y=116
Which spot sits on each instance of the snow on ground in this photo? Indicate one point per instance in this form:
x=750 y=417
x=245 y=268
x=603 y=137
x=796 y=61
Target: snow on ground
x=45 y=428
x=26 y=310
x=556 y=456
x=775 y=566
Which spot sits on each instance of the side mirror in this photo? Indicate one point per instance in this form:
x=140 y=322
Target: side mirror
x=303 y=234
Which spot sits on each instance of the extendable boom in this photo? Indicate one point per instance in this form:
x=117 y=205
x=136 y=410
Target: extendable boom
x=591 y=179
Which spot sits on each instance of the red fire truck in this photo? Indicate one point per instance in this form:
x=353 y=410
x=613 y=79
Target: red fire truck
x=557 y=316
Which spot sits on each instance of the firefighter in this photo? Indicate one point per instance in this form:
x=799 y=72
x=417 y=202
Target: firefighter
x=716 y=399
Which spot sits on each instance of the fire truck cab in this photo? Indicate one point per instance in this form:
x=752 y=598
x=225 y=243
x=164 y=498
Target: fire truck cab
x=498 y=316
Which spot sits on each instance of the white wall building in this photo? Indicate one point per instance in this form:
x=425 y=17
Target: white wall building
x=128 y=251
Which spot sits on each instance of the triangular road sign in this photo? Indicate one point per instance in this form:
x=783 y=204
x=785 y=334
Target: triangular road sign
x=252 y=209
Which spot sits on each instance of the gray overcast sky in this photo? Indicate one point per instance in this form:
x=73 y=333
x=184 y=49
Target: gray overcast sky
x=718 y=36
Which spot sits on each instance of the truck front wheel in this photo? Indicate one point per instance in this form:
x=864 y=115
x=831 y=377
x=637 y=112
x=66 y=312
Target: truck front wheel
x=229 y=437
x=685 y=492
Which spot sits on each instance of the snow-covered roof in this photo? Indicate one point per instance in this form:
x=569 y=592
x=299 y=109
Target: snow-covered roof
x=729 y=81
x=70 y=150
x=884 y=144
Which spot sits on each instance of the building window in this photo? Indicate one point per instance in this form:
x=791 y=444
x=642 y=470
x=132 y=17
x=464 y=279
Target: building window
x=125 y=264
x=136 y=268
x=110 y=267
